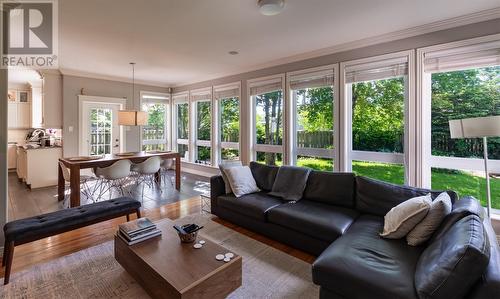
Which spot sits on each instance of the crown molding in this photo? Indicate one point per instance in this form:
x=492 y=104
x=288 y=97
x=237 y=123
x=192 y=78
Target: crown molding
x=463 y=20
x=76 y=73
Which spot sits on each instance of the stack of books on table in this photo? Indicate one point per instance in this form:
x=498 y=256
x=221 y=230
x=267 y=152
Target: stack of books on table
x=138 y=230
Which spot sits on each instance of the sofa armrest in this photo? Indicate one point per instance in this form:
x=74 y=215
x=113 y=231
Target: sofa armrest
x=217 y=188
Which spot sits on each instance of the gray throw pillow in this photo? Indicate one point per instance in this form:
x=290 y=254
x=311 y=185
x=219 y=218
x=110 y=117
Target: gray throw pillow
x=401 y=219
x=440 y=207
x=225 y=165
x=241 y=180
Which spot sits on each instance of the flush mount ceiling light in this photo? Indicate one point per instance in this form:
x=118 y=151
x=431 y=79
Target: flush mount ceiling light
x=271 y=7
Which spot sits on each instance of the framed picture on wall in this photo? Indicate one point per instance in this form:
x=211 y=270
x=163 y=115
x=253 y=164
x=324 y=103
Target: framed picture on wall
x=12 y=95
x=23 y=96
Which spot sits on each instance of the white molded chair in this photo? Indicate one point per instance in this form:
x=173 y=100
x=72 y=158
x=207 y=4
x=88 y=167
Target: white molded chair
x=145 y=173
x=84 y=180
x=113 y=177
x=166 y=165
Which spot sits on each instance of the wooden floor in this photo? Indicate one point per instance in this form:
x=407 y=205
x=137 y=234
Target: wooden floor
x=24 y=202
x=57 y=246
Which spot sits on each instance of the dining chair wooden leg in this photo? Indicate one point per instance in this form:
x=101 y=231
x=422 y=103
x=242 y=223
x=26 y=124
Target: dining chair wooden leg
x=128 y=217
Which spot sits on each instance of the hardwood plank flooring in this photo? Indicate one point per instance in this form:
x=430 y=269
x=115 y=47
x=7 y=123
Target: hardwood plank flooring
x=47 y=249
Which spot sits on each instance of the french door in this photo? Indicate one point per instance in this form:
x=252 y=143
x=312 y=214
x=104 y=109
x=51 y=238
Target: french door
x=100 y=129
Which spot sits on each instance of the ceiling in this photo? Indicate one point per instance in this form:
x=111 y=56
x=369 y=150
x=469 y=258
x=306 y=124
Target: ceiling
x=175 y=42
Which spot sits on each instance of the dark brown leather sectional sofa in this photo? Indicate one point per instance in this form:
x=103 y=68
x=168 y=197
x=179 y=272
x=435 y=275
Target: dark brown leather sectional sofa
x=339 y=219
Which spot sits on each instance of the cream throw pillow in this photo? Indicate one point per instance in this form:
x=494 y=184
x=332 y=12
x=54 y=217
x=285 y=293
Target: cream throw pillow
x=401 y=219
x=440 y=207
x=241 y=180
x=226 y=165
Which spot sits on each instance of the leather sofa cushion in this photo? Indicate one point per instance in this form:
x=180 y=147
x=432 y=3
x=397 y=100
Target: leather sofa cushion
x=451 y=265
x=377 y=197
x=315 y=219
x=361 y=264
x=335 y=188
x=461 y=208
x=264 y=175
x=254 y=205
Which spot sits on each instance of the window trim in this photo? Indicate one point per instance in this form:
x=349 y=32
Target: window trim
x=347 y=154
x=294 y=150
x=254 y=147
x=219 y=145
x=193 y=108
x=162 y=98
x=180 y=98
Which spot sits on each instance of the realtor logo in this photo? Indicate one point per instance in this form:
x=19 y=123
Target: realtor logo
x=29 y=34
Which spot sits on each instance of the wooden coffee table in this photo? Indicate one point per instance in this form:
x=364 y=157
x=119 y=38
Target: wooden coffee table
x=167 y=268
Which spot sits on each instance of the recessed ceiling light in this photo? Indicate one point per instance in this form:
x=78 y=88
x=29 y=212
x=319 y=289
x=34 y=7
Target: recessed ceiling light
x=233 y=52
x=271 y=7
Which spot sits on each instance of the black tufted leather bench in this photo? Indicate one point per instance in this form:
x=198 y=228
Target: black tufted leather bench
x=35 y=228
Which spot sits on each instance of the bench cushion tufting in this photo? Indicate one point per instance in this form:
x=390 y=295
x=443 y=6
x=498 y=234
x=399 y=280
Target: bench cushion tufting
x=33 y=228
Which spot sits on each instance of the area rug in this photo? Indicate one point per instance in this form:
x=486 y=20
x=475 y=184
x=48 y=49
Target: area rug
x=94 y=273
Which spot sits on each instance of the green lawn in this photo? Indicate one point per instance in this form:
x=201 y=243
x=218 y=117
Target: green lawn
x=462 y=182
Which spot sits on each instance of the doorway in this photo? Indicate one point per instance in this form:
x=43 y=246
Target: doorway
x=100 y=133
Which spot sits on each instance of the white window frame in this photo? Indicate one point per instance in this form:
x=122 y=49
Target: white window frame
x=346 y=153
x=280 y=149
x=158 y=98
x=217 y=123
x=294 y=150
x=425 y=160
x=193 y=103
x=180 y=98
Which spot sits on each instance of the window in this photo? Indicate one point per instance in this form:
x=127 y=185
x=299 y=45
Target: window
x=267 y=101
x=376 y=91
x=100 y=131
x=461 y=82
x=312 y=97
x=154 y=134
x=228 y=101
x=202 y=102
x=181 y=121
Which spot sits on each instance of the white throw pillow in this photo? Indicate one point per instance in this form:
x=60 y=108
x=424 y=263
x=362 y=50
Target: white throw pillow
x=226 y=165
x=241 y=180
x=401 y=219
x=440 y=207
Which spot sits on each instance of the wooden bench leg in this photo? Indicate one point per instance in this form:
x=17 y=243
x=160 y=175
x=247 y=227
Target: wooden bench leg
x=4 y=256
x=8 y=265
x=128 y=217
x=138 y=212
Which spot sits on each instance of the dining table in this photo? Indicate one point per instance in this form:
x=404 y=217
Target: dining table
x=75 y=164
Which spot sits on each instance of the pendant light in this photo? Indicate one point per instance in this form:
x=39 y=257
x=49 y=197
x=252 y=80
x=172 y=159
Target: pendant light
x=132 y=117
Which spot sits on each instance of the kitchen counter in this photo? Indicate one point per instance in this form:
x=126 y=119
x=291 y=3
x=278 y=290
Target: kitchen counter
x=38 y=148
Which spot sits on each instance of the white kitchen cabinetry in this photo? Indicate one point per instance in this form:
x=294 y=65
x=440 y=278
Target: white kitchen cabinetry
x=19 y=115
x=52 y=101
x=12 y=156
x=38 y=167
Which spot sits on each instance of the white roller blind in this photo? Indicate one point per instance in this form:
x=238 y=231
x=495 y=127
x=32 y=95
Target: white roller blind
x=377 y=70
x=311 y=80
x=467 y=57
x=179 y=98
x=232 y=92
x=201 y=96
x=257 y=88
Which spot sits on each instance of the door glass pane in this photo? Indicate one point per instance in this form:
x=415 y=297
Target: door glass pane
x=182 y=121
x=314 y=127
x=458 y=95
x=378 y=127
x=154 y=133
x=100 y=139
x=203 y=120
x=230 y=120
x=269 y=118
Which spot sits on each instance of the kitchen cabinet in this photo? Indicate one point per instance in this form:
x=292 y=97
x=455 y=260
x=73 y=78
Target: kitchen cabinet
x=12 y=156
x=19 y=115
x=38 y=167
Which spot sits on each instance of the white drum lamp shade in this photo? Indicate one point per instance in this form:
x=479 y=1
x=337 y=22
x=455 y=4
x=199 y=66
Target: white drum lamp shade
x=132 y=118
x=478 y=127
